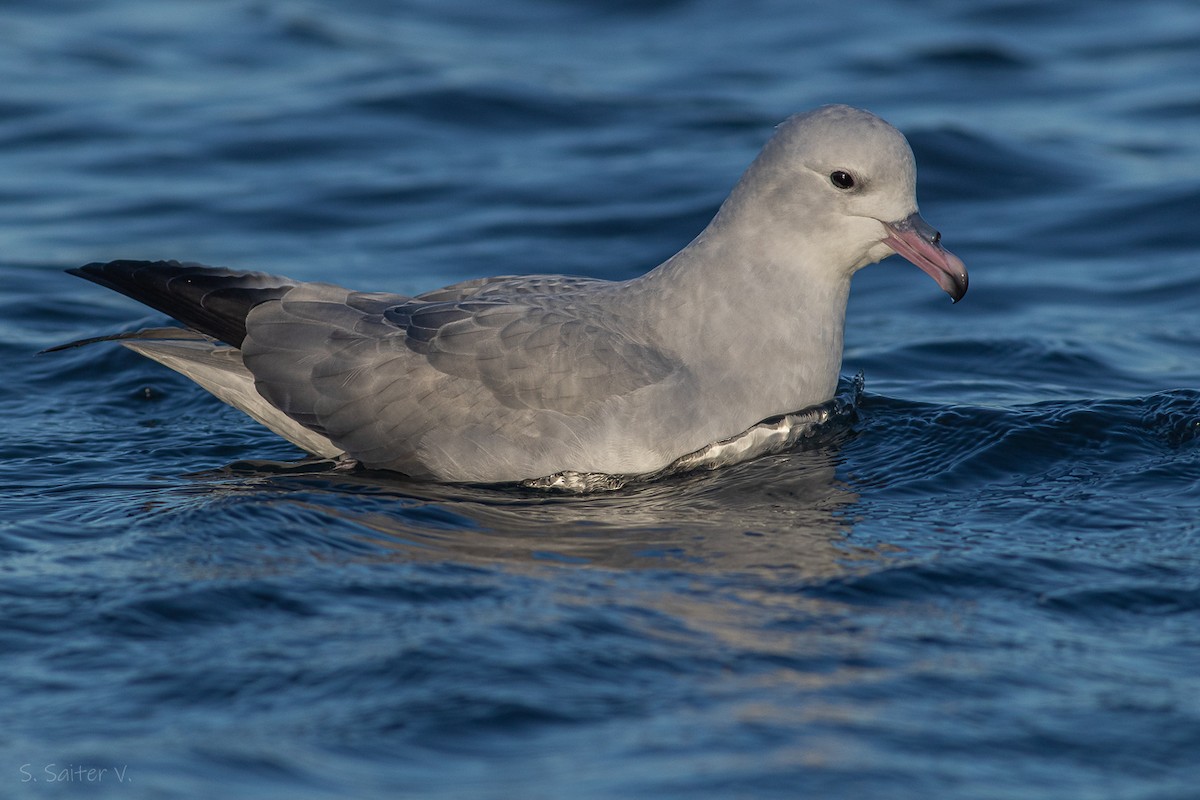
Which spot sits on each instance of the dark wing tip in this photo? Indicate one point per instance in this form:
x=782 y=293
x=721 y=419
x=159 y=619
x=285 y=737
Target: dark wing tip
x=211 y=300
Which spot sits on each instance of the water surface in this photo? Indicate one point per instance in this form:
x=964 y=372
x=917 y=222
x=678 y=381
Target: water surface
x=984 y=582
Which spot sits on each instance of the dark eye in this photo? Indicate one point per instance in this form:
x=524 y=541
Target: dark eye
x=842 y=180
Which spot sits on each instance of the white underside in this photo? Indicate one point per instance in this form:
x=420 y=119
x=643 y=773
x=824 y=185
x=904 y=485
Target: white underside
x=771 y=436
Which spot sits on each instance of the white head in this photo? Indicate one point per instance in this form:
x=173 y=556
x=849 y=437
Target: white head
x=842 y=182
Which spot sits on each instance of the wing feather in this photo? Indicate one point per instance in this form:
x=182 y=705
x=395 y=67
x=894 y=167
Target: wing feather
x=392 y=379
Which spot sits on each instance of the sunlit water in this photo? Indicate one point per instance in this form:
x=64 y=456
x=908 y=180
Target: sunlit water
x=982 y=582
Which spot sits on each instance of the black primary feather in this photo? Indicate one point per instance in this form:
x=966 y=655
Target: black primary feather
x=211 y=300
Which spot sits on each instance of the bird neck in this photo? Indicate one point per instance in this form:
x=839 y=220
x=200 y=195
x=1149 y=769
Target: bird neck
x=734 y=309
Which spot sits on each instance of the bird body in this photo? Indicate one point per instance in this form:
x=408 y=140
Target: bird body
x=518 y=378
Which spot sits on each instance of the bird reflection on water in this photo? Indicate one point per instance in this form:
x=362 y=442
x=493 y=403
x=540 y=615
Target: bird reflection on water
x=781 y=518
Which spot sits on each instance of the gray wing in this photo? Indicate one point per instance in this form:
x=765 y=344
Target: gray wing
x=512 y=287
x=516 y=336
x=527 y=355
x=503 y=368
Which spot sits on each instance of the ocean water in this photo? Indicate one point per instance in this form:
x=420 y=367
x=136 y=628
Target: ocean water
x=983 y=582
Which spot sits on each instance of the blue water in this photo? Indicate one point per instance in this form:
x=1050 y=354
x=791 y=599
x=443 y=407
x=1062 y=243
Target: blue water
x=982 y=583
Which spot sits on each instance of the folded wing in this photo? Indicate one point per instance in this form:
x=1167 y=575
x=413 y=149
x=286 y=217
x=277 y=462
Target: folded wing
x=491 y=371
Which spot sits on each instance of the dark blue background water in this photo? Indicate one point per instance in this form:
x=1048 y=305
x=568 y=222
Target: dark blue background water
x=986 y=584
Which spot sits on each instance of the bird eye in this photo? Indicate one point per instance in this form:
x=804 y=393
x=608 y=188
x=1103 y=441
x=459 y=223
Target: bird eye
x=842 y=180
